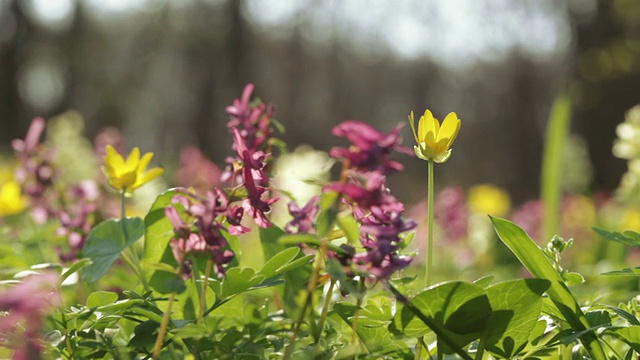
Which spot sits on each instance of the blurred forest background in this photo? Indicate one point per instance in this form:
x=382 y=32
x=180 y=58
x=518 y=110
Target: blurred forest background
x=163 y=72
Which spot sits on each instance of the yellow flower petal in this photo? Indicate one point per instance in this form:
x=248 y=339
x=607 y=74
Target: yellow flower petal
x=433 y=140
x=126 y=176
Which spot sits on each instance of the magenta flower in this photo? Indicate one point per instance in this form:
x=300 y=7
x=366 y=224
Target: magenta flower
x=303 y=219
x=253 y=164
x=370 y=150
x=202 y=230
x=26 y=307
x=381 y=223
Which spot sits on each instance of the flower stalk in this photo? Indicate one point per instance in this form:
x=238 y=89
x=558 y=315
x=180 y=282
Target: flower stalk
x=429 y=266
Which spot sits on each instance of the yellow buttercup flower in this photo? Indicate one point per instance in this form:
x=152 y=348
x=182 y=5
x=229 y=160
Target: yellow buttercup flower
x=434 y=141
x=11 y=199
x=126 y=176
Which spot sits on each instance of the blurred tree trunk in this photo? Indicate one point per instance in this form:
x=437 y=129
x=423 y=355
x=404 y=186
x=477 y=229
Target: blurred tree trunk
x=11 y=116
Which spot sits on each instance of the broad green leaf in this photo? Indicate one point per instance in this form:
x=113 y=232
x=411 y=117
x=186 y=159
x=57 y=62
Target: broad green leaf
x=157 y=251
x=628 y=334
x=516 y=307
x=462 y=310
x=158 y=234
x=236 y=281
x=269 y=241
x=374 y=335
x=484 y=281
x=105 y=243
x=280 y=259
x=534 y=260
x=629 y=238
x=100 y=298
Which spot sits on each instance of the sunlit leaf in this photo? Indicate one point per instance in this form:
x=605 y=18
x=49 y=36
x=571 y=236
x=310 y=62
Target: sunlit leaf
x=516 y=307
x=462 y=310
x=105 y=243
x=534 y=260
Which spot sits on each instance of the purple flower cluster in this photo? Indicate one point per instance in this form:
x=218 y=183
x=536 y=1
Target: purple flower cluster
x=379 y=213
x=201 y=229
x=77 y=217
x=74 y=207
x=25 y=306
x=303 y=218
x=370 y=150
x=250 y=126
x=35 y=172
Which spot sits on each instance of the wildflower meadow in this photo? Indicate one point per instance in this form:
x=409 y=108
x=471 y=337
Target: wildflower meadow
x=109 y=253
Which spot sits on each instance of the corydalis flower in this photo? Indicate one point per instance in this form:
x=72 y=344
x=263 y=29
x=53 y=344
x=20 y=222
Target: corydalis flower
x=202 y=230
x=126 y=176
x=371 y=149
x=26 y=306
x=434 y=141
x=302 y=218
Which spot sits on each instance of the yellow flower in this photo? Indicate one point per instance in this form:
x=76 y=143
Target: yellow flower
x=434 y=141
x=126 y=176
x=489 y=199
x=11 y=199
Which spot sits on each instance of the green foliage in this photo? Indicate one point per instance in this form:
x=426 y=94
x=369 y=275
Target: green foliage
x=105 y=243
x=534 y=260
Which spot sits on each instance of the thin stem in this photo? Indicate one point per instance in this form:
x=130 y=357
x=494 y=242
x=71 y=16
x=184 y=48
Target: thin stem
x=163 y=328
x=131 y=258
x=311 y=286
x=480 y=352
x=419 y=348
x=203 y=297
x=429 y=267
x=325 y=308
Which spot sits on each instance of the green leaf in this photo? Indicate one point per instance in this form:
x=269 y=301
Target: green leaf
x=100 y=298
x=461 y=309
x=634 y=271
x=350 y=227
x=309 y=239
x=105 y=243
x=628 y=334
x=80 y=264
x=327 y=213
x=629 y=238
x=238 y=280
x=516 y=307
x=552 y=167
x=279 y=260
x=631 y=319
x=534 y=260
x=158 y=234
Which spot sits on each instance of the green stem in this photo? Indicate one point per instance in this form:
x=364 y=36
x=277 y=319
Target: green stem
x=311 y=286
x=163 y=328
x=129 y=256
x=203 y=297
x=325 y=309
x=429 y=267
